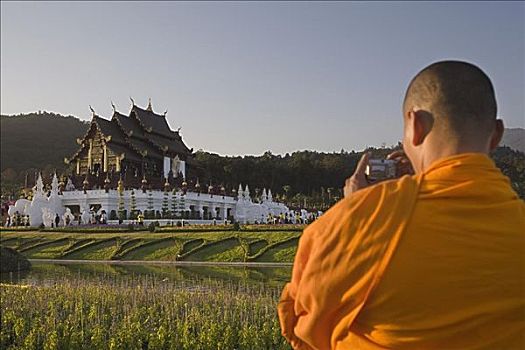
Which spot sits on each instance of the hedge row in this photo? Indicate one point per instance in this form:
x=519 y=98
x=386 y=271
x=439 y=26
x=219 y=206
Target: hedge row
x=22 y=243
x=4 y=241
x=270 y=246
x=43 y=244
x=206 y=245
x=93 y=243
x=229 y=228
x=97 y=229
x=252 y=247
x=170 y=229
x=145 y=244
x=16 y=229
x=185 y=251
x=76 y=244
x=124 y=247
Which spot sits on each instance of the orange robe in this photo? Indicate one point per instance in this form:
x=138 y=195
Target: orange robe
x=433 y=261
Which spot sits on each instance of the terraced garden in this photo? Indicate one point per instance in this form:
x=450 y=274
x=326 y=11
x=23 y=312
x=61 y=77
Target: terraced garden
x=256 y=245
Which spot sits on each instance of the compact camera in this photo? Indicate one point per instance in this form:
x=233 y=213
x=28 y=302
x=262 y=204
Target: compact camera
x=381 y=169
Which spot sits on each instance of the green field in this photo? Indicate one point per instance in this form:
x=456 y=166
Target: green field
x=258 y=244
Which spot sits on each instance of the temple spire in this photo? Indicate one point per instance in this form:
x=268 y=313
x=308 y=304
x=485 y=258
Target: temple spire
x=149 y=105
x=39 y=187
x=92 y=111
x=54 y=184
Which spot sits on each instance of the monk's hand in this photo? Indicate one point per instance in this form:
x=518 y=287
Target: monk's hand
x=358 y=180
x=403 y=164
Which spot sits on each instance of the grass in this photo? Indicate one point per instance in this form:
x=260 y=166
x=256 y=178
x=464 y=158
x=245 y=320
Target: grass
x=227 y=246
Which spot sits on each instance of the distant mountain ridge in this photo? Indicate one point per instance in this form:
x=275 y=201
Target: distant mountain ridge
x=515 y=139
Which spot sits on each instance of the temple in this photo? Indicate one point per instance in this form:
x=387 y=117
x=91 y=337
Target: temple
x=135 y=147
x=133 y=166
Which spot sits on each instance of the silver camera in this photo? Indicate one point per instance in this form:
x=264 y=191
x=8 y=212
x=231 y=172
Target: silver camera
x=381 y=169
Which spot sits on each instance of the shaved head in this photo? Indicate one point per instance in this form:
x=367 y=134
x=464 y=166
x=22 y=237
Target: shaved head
x=459 y=96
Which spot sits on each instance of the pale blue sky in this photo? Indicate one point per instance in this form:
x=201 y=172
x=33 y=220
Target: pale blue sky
x=246 y=77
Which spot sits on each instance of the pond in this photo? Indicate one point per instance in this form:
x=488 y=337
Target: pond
x=43 y=273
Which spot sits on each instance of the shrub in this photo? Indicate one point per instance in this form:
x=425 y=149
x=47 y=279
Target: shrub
x=151 y=227
x=236 y=226
x=123 y=215
x=133 y=215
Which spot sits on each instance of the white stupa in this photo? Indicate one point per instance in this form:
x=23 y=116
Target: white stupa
x=38 y=202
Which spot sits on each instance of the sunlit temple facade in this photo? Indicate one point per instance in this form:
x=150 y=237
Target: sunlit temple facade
x=133 y=165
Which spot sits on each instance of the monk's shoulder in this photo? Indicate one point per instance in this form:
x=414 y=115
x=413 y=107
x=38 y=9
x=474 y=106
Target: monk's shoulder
x=357 y=207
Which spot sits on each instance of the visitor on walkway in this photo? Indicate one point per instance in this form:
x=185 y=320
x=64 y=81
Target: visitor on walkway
x=140 y=219
x=434 y=260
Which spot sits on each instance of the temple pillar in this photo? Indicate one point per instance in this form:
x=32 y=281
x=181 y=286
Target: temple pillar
x=78 y=166
x=117 y=166
x=90 y=154
x=105 y=158
x=199 y=210
x=224 y=212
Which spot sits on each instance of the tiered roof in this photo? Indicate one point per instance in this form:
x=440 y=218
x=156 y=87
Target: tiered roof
x=158 y=131
x=141 y=134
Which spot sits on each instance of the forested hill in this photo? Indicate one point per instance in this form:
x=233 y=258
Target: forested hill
x=40 y=141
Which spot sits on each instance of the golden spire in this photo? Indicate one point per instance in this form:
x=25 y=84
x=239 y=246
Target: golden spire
x=120 y=185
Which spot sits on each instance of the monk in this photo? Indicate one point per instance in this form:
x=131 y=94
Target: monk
x=433 y=260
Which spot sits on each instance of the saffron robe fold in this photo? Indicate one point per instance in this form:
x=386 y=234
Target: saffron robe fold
x=433 y=261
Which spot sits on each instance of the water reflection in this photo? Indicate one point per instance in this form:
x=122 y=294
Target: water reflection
x=50 y=273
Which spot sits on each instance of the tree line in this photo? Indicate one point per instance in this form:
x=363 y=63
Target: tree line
x=39 y=142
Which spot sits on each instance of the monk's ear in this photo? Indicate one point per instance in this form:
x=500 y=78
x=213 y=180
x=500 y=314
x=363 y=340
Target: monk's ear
x=497 y=134
x=421 y=123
